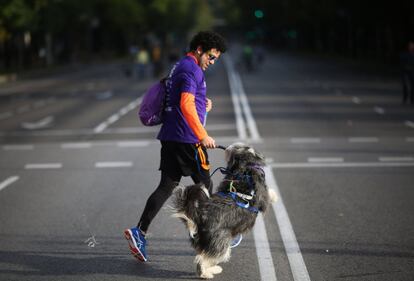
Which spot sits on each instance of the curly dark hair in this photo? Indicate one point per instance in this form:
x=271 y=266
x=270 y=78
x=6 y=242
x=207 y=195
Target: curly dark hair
x=208 y=40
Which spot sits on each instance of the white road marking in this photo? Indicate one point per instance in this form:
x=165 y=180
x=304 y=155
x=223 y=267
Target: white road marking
x=409 y=139
x=76 y=145
x=395 y=159
x=341 y=165
x=297 y=264
x=43 y=166
x=115 y=117
x=356 y=100
x=133 y=143
x=241 y=105
x=264 y=255
x=105 y=130
x=101 y=127
x=240 y=124
x=42 y=123
x=379 y=110
x=78 y=132
x=409 y=124
x=8 y=182
x=18 y=147
x=325 y=159
x=113 y=164
x=305 y=140
x=251 y=123
x=363 y=139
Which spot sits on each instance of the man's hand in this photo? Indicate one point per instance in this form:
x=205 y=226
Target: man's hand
x=209 y=105
x=208 y=142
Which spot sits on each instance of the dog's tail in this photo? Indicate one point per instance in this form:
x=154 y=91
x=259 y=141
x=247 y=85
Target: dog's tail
x=187 y=198
x=185 y=202
x=179 y=200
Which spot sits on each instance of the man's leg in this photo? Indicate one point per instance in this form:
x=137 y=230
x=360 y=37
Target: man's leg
x=157 y=199
x=136 y=235
x=204 y=177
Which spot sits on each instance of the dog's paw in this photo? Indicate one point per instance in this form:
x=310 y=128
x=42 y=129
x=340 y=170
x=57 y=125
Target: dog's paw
x=272 y=195
x=206 y=275
x=215 y=269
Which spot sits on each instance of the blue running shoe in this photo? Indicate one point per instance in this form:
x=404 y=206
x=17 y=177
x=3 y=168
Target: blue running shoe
x=236 y=241
x=137 y=242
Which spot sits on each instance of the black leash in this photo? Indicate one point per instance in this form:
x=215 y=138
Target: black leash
x=221 y=147
x=222 y=169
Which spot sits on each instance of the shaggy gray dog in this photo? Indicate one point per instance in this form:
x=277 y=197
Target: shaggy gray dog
x=214 y=220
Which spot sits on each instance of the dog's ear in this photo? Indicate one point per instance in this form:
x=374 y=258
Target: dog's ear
x=262 y=197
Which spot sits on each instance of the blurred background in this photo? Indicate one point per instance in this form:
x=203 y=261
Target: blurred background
x=323 y=88
x=43 y=33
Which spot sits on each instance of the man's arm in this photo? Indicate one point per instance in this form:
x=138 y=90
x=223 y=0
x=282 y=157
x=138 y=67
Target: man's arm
x=188 y=108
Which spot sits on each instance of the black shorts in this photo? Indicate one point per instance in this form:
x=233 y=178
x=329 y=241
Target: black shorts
x=185 y=159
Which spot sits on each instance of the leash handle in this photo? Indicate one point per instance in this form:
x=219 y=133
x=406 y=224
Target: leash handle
x=221 y=147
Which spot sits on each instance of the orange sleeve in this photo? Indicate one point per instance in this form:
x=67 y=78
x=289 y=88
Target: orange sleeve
x=188 y=108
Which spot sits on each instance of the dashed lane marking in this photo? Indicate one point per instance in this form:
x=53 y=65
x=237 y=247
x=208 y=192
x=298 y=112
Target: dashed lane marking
x=18 y=147
x=8 y=182
x=116 y=116
x=33 y=166
x=409 y=124
x=379 y=110
x=76 y=145
x=294 y=165
x=132 y=143
x=356 y=100
x=395 y=159
x=363 y=139
x=325 y=159
x=113 y=164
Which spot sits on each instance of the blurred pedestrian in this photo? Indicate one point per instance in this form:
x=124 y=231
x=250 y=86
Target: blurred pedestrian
x=184 y=140
x=142 y=59
x=247 y=57
x=407 y=73
x=156 y=61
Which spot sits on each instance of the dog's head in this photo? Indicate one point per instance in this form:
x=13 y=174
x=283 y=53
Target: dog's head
x=242 y=159
x=240 y=155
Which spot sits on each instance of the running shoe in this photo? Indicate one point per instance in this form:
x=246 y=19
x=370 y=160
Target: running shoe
x=236 y=241
x=137 y=242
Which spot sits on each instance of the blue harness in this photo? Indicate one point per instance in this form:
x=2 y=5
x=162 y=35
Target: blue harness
x=238 y=197
x=234 y=196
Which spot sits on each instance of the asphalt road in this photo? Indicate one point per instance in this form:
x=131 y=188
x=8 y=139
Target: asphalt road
x=76 y=168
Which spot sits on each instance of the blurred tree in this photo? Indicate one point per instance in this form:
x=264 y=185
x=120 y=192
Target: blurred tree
x=16 y=18
x=349 y=27
x=34 y=32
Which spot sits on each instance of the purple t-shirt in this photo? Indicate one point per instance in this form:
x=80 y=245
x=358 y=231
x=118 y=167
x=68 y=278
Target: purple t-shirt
x=185 y=76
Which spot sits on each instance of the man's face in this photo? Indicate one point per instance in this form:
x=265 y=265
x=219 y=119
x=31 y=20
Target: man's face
x=207 y=58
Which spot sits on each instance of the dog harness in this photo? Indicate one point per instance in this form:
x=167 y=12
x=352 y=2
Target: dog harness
x=237 y=197
x=234 y=196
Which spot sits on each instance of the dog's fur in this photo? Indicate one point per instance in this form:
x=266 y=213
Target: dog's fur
x=214 y=220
